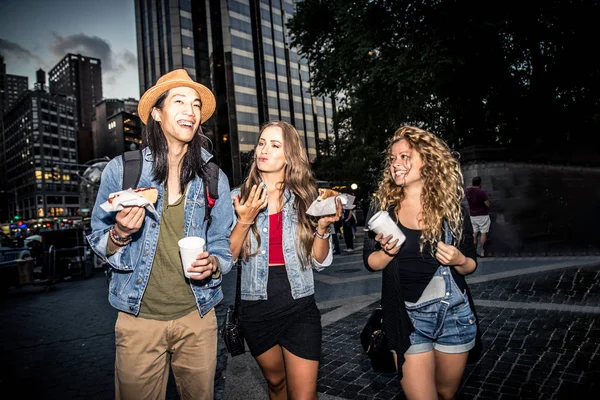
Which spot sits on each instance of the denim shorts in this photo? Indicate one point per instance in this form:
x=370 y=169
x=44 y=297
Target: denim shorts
x=442 y=317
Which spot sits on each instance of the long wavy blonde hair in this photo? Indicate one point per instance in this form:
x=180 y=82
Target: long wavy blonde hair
x=443 y=189
x=299 y=179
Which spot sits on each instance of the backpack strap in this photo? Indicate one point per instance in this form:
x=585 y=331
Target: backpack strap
x=210 y=179
x=132 y=169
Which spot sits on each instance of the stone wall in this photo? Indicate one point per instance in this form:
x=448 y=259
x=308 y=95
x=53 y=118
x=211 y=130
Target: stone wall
x=539 y=209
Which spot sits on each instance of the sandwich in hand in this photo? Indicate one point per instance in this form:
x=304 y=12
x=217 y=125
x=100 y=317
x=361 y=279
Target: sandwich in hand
x=149 y=193
x=327 y=193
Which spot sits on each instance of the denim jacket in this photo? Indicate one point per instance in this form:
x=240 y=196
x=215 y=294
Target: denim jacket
x=255 y=269
x=132 y=263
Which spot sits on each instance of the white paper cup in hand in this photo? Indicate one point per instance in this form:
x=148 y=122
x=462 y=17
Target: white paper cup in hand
x=381 y=222
x=189 y=248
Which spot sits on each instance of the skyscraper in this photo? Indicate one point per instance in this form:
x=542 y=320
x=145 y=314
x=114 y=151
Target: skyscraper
x=81 y=77
x=116 y=127
x=240 y=49
x=2 y=84
x=16 y=86
x=40 y=156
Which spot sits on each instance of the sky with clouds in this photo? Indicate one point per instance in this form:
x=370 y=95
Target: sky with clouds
x=38 y=33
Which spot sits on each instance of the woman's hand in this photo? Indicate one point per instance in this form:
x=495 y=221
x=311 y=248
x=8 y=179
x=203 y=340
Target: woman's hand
x=129 y=220
x=388 y=246
x=248 y=210
x=447 y=254
x=325 y=221
x=205 y=264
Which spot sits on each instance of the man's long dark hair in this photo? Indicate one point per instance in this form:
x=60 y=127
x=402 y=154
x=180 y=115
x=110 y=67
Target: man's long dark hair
x=192 y=161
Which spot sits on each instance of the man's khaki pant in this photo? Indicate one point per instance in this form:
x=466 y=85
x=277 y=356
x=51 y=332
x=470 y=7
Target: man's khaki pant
x=145 y=349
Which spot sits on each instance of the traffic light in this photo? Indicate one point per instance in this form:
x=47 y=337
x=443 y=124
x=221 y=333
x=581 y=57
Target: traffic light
x=17 y=217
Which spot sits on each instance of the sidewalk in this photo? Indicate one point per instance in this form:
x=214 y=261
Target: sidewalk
x=539 y=318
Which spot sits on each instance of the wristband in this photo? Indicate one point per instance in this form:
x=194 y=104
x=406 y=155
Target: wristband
x=116 y=239
x=323 y=236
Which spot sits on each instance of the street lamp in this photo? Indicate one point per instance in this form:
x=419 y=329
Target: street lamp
x=354 y=186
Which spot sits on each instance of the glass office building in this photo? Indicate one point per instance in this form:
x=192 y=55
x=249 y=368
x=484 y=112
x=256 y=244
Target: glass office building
x=241 y=50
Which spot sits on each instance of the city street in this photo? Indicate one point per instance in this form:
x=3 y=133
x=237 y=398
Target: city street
x=539 y=317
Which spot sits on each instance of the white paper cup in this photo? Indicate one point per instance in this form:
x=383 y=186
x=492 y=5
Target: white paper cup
x=189 y=248
x=381 y=222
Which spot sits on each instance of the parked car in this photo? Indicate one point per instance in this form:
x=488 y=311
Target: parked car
x=10 y=249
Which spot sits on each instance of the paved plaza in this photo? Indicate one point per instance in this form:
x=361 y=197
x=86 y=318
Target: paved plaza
x=539 y=318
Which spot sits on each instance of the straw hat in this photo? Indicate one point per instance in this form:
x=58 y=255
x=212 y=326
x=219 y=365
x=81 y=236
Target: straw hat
x=173 y=79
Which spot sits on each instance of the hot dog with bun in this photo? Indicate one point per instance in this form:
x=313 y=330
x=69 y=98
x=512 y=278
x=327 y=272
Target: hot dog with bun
x=327 y=193
x=149 y=193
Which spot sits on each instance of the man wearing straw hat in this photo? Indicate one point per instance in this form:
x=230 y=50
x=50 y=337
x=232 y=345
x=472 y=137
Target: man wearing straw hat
x=166 y=320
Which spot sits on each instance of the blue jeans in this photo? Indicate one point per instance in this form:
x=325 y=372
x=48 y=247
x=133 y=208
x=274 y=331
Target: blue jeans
x=442 y=317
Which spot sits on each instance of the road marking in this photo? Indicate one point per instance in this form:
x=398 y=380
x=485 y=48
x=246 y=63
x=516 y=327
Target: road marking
x=525 y=271
x=346 y=307
x=538 y=306
x=332 y=280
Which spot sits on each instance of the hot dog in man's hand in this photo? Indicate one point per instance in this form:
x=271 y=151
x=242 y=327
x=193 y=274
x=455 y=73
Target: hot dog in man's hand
x=149 y=193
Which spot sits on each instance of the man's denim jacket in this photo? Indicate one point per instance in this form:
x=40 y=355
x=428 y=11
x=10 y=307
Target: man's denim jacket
x=132 y=263
x=255 y=269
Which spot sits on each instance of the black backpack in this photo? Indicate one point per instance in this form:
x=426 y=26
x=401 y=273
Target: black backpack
x=132 y=171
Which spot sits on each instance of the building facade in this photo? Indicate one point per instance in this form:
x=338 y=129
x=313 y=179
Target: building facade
x=41 y=158
x=80 y=77
x=2 y=84
x=15 y=87
x=241 y=50
x=116 y=127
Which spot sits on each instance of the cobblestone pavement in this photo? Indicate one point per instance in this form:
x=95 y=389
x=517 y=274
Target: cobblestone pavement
x=530 y=352
x=539 y=318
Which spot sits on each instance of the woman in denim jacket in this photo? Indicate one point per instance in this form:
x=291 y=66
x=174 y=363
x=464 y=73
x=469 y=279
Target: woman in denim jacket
x=280 y=245
x=428 y=313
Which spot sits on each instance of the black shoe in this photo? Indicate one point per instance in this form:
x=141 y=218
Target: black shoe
x=337 y=252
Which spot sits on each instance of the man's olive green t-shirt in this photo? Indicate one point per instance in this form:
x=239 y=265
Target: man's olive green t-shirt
x=168 y=295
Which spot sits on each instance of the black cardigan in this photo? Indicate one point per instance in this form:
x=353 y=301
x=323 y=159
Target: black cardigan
x=466 y=246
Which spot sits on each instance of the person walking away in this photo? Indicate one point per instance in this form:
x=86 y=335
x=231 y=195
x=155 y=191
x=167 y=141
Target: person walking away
x=479 y=205
x=165 y=320
x=428 y=314
x=280 y=246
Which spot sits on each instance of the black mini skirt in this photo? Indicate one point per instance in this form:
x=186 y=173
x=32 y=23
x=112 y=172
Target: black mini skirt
x=292 y=324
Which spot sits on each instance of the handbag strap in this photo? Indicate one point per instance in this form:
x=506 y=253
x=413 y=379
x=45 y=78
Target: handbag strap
x=237 y=308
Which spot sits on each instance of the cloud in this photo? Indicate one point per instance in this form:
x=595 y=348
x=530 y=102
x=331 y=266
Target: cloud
x=93 y=46
x=129 y=58
x=90 y=46
x=11 y=49
x=114 y=65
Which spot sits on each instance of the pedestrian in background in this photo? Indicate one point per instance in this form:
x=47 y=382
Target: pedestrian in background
x=428 y=314
x=348 y=223
x=164 y=320
x=280 y=245
x=335 y=229
x=479 y=205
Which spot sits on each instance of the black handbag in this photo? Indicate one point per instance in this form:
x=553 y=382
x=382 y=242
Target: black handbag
x=374 y=343
x=231 y=332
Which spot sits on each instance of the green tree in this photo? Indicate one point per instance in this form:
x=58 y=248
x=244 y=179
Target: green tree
x=509 y=74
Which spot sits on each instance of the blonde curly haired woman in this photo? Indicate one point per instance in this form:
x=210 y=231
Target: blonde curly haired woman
x=279 y=246
x=428 y=314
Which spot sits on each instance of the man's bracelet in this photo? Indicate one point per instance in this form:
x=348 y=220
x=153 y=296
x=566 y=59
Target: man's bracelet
x=323 y=236
x=118 y=240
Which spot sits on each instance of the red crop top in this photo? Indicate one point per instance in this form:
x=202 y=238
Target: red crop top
x=276 y=239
